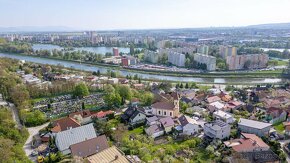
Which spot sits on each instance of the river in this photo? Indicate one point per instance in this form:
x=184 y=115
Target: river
x=98 y=50
x=92 y=68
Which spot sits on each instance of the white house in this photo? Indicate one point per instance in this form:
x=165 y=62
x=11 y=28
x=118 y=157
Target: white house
x=155 y=130
x=224 y=116
x=217 y=129
x=189 y=125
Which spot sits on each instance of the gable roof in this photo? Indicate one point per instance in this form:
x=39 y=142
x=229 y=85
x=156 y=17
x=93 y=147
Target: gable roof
x=64 y=124
x=67 y=138
x=253 y=124
x=131 y=112
x=84 y=114
x=166 y=121
x=151 y=119
x=213 y=99
x=90 y=146
x=164 y=105
x=184 y=120
x=154 y=129
x=112 y=155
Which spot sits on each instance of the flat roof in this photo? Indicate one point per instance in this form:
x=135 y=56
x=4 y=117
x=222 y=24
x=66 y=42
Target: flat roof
x=253 y=124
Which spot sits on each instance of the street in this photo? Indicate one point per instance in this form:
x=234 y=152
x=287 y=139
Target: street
x=283 y=142
x=32 y=132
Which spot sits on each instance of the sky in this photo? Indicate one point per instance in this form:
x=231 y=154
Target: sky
x=142 y=14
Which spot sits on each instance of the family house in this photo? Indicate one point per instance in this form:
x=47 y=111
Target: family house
x=189 y=126
x=247 y=143
x=64 y=139
x=224 y=116
x=217 y=129
x=64 y=124
x=89 y=147
x=167 y=123
x=213 y=99
x=275 y=115
x=155 y=130
x=109 y=155
x=85 y=116
x=133 y=116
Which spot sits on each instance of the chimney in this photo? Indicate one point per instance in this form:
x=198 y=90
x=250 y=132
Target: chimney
x=254 y=143
x=116 y=157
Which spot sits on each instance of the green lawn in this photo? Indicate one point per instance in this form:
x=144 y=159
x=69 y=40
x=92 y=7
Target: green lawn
x=282 y=63
x=137 y=131
x=279 y=127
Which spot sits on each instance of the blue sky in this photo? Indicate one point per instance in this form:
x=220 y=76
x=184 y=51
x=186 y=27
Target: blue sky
x=142 y=14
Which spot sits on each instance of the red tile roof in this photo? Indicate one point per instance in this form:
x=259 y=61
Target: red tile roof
x=84 y=114
x=250 y=143
x=102 y=114
x=64 y=124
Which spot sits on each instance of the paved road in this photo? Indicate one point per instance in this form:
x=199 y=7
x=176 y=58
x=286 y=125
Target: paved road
x=32 y=132
x=15 y=115
x=283 y=142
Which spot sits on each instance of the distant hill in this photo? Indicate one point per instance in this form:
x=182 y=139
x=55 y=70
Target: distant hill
x=271 y=26
x=36 y=29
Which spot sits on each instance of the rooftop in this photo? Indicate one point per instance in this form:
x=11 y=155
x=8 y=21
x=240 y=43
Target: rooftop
x=253 y=124
x=109 y=155
x=69 y=137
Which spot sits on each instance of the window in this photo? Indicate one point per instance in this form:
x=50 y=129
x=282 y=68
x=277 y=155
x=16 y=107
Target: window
x=164 y=112
x=170 y=113
x=159 y=112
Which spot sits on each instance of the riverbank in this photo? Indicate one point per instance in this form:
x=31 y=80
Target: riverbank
x=242 y=74
x=215 y=78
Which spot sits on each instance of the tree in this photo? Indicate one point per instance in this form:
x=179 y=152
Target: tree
x=98 y=73
x=125 y=92
x=247 y=64
x=193 y=85
x=177 y=85
x=186 y=86
x=181 y=86
x=81 y=90
x=135 y=77
x=147 y=98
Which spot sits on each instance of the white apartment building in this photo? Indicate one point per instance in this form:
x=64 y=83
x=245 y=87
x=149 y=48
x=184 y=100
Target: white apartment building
x=177 y=59
x=151 y=56
x=210 y=61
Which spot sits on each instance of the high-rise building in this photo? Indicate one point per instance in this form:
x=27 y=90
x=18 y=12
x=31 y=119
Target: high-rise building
x=226 y=51
x=115 y=51
x=250 y=61
x=210 y=61
x=177 y=59
x=151 y=56
x=203 y=49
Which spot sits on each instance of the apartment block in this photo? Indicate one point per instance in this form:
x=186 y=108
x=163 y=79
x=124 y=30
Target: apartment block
x=226 y=51
x=203 y=49
x=210 y=61
x=151 y=56
x=177 y=59
x=250 y=61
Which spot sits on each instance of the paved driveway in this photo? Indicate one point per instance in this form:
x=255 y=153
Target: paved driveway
x=32 y=132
